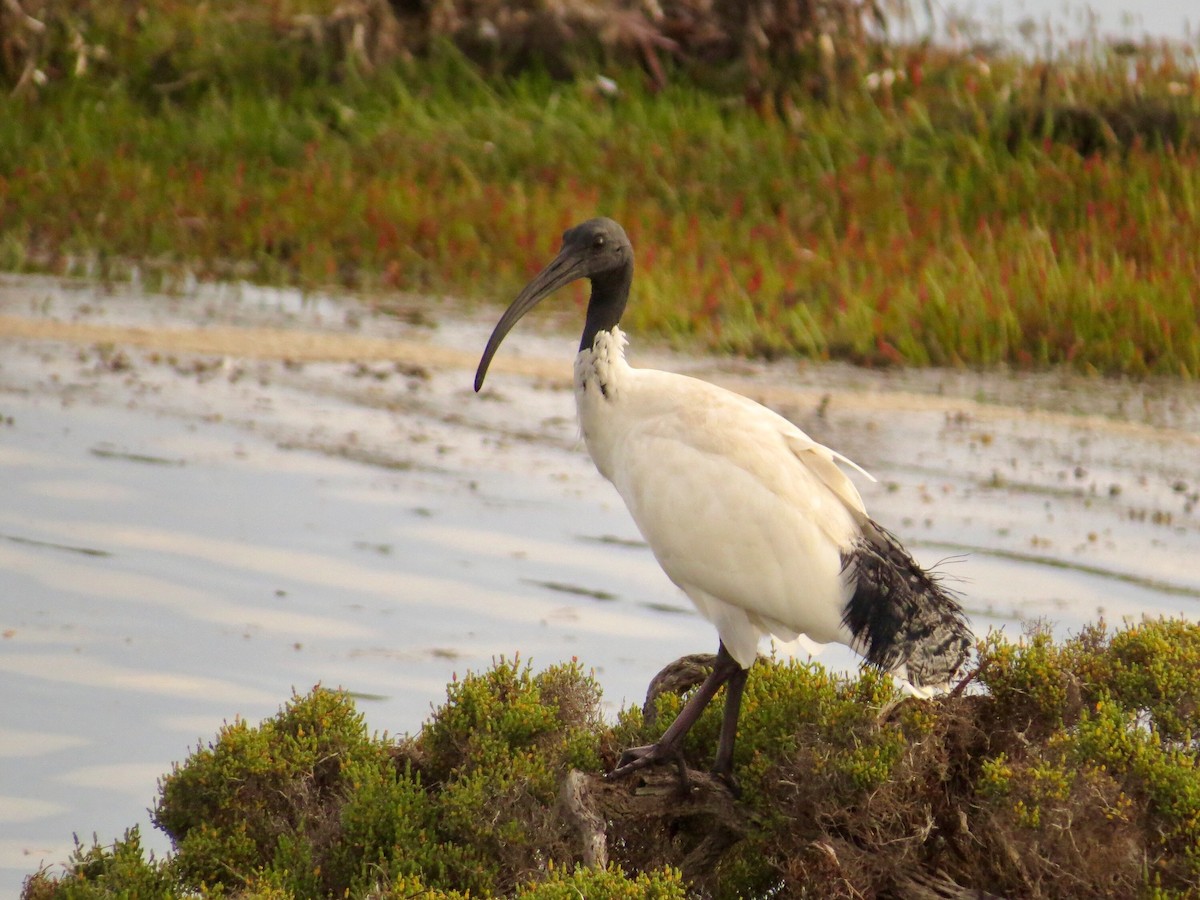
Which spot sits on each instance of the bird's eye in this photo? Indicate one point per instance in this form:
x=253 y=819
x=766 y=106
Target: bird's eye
x=598 y=241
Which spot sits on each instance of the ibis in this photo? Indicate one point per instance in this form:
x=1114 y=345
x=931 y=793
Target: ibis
x=754 y=520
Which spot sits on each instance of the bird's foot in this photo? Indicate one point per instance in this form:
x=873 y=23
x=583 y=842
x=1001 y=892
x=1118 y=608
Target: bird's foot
x=636 y=758
x=732 y=783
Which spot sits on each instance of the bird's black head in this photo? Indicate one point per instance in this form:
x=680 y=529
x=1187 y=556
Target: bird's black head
x=600 y=244
x=598 y=250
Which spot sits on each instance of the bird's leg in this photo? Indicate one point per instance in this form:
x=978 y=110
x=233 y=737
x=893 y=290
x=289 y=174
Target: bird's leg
x=725 y=668
x=723 y=765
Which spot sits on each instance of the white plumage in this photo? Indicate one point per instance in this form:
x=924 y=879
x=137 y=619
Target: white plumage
x=742 y=509
x=751 y=517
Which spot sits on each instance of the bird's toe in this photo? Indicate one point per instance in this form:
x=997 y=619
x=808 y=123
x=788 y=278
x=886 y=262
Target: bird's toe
x=636 y=758
x=730 y=781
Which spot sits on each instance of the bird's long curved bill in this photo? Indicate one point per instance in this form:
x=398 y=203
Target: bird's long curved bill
x=565 y=268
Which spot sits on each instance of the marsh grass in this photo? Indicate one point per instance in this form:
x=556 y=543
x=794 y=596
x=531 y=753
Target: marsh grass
x=942 y=209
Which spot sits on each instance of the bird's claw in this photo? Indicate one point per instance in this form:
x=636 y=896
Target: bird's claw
x=735 y=787
x=637 y=758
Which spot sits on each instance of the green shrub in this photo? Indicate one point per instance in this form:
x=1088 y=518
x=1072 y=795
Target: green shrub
x=271 y=792
x=1068 y=769
x=610 y=883
x=100 y=872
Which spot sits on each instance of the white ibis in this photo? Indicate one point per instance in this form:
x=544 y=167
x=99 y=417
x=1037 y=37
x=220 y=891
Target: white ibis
x=751 y=517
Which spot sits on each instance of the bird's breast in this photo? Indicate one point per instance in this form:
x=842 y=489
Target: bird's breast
x=602 y=387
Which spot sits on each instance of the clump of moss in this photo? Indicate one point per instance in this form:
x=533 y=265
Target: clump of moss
x=1067 y=769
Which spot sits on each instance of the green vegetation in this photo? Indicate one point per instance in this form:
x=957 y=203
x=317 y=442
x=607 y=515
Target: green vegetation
x=824 y=196
x=1066 y=769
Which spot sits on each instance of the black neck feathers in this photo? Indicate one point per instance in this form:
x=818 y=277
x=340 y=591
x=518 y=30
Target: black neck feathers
x=610 y=293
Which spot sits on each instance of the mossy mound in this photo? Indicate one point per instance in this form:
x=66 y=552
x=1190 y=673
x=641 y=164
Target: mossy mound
x=1065 y=769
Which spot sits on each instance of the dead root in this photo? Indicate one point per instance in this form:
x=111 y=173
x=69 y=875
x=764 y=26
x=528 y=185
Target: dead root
x=703 y=818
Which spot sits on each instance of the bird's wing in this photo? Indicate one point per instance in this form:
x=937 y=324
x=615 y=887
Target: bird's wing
x=824 y=464
x=821 y=460
x=723 y=421
x=819 y=457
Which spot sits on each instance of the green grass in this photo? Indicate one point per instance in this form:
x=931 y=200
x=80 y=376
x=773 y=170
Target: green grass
x=951 y=220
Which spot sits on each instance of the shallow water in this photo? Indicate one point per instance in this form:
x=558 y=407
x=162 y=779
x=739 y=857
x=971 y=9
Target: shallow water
x=187 y=536
x=1045 y=27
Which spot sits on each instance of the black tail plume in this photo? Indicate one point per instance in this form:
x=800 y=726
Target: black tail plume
x=900 y=615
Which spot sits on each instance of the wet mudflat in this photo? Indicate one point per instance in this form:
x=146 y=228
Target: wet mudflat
x=212 y=498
